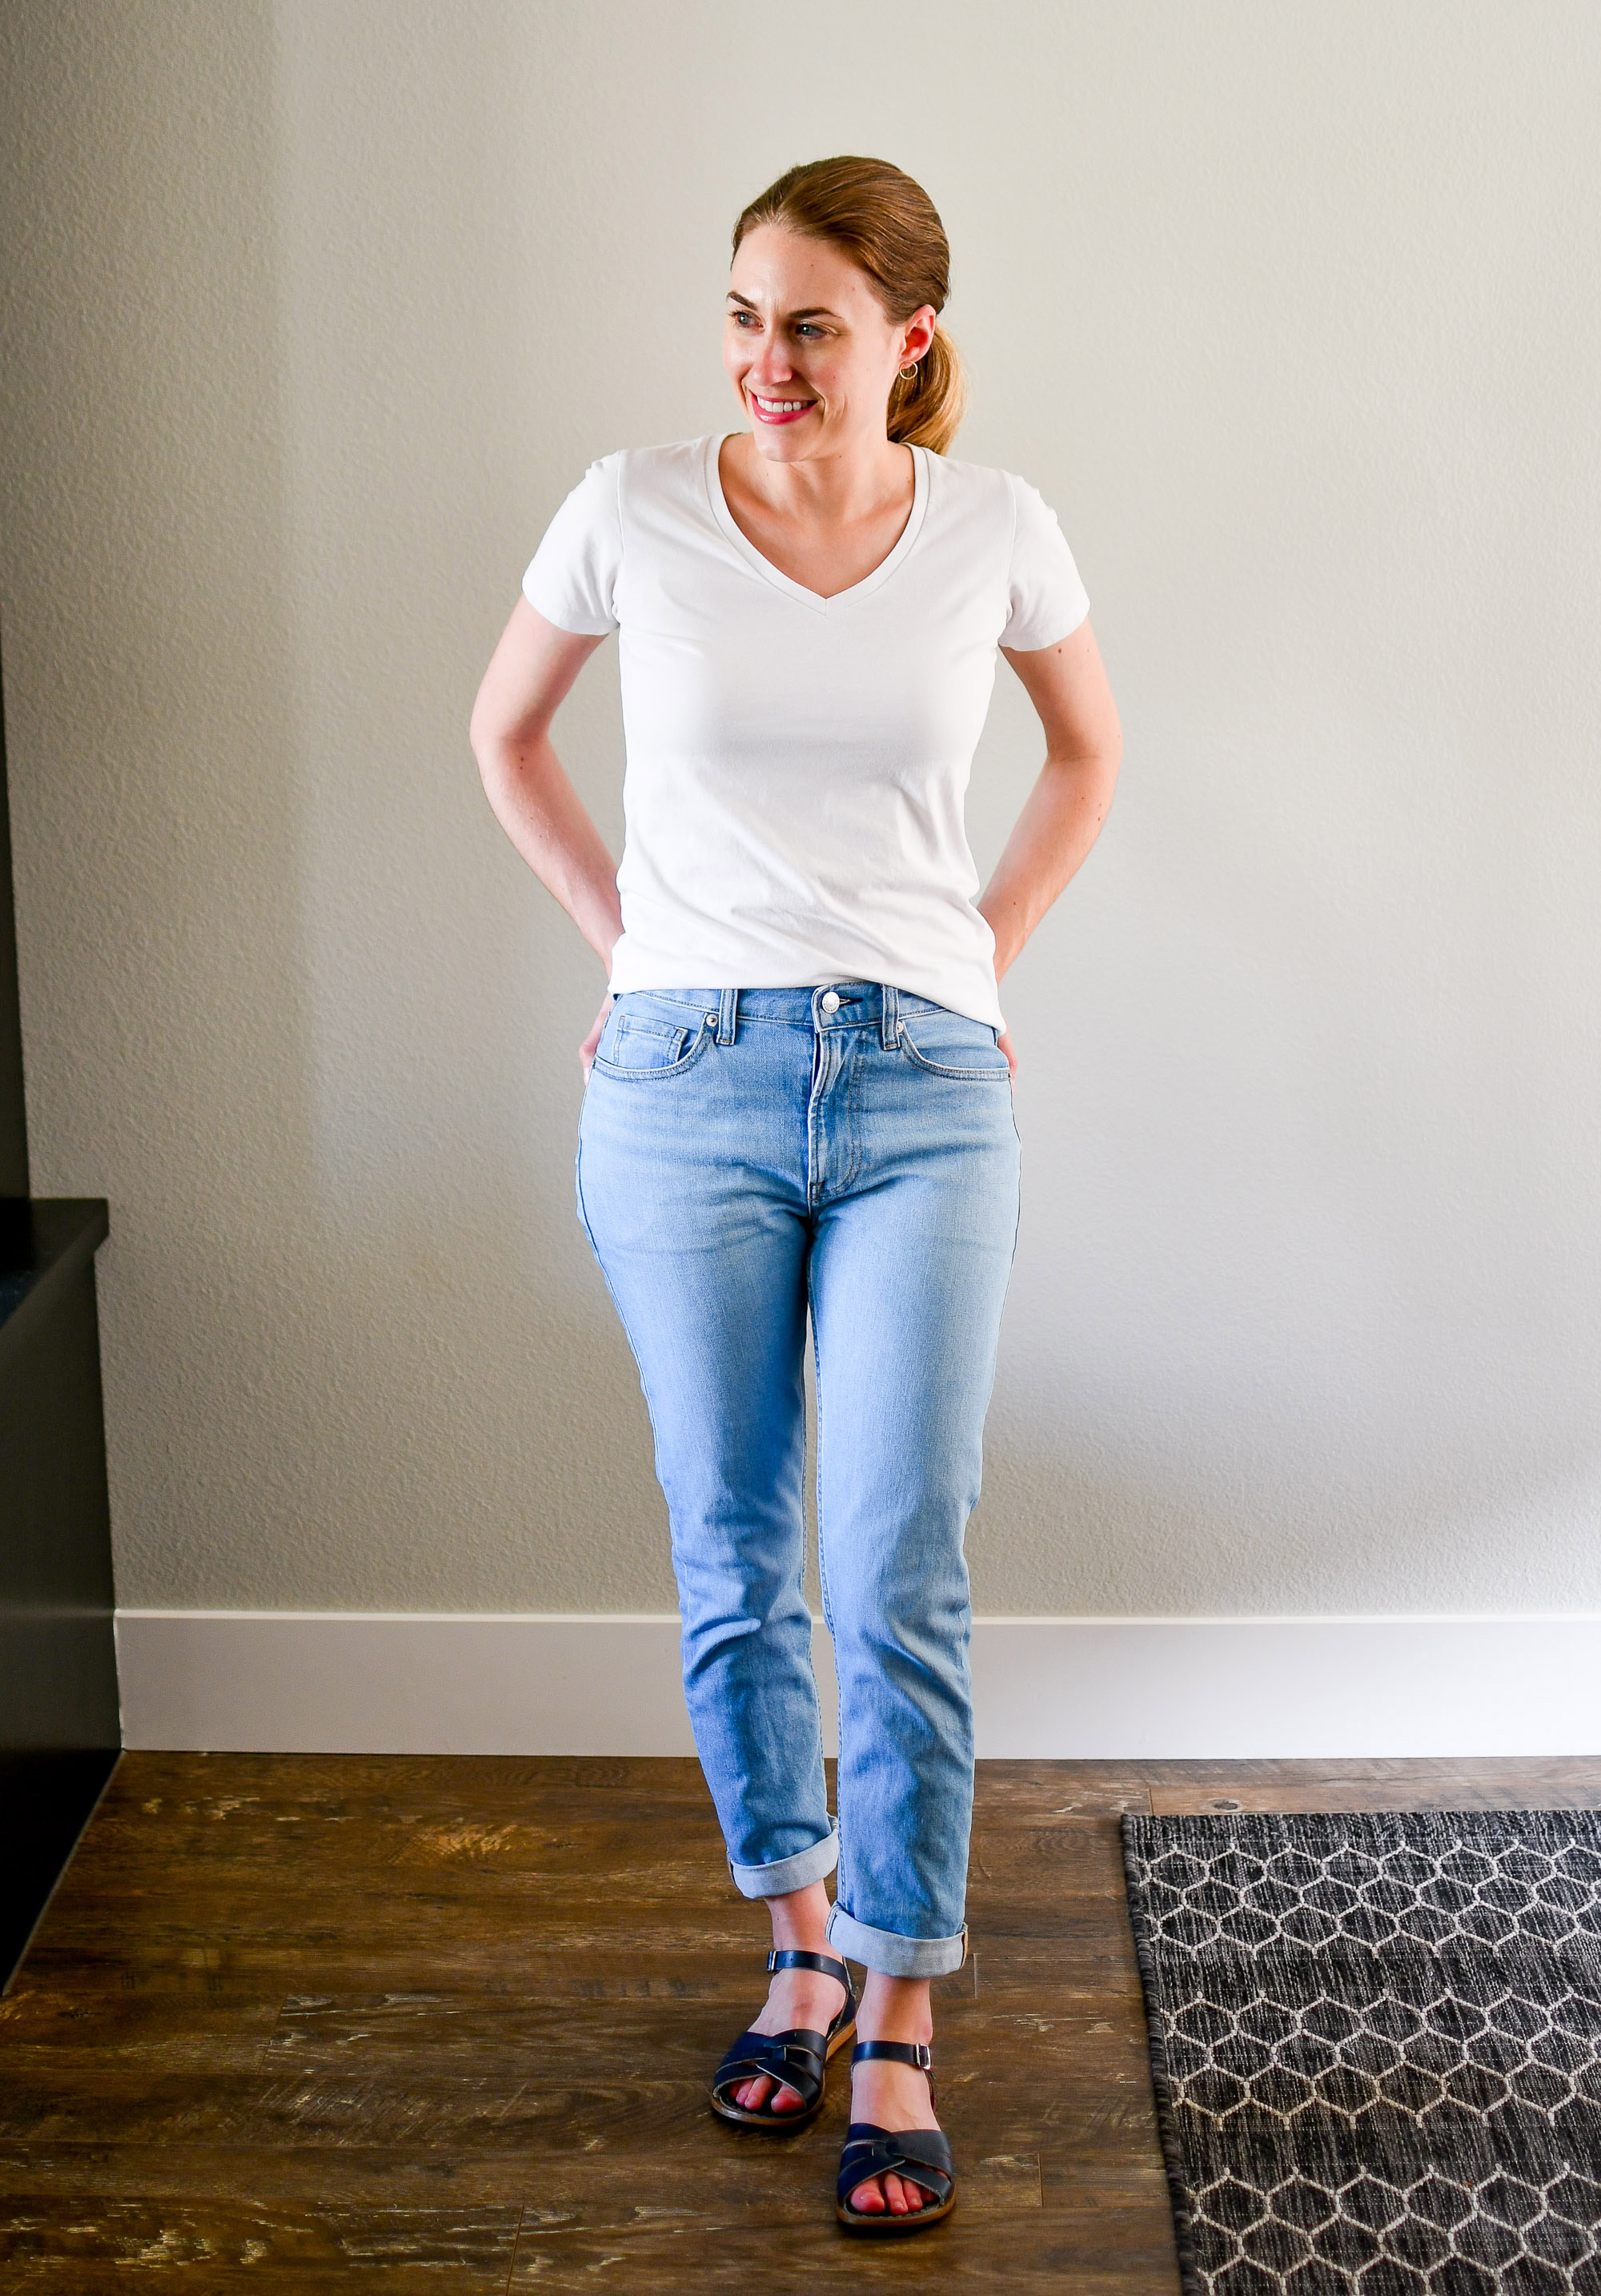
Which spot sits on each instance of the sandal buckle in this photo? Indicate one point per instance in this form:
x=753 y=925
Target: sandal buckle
x=925 y=2056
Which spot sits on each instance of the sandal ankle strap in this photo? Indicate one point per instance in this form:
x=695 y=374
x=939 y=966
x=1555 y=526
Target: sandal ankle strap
x=903 y=2052
x=824 y=1964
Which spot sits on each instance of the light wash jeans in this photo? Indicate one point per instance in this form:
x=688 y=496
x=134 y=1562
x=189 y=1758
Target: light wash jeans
x=745 y=1154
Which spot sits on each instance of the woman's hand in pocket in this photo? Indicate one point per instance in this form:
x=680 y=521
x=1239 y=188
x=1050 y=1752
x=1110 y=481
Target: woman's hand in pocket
x=586 y=1049
x=1005 y=1041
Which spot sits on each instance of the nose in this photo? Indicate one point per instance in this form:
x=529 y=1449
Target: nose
x=771 y=363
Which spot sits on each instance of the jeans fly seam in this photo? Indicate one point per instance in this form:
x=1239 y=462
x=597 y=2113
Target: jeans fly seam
x=816 y=1134
x=853 y=1108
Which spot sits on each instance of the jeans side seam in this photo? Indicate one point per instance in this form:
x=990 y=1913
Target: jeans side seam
x=822 y=1563
x=817 y=1356
x=650 y=1411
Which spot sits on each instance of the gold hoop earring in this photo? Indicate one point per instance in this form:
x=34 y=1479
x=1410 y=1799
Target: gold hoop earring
x=907 y=373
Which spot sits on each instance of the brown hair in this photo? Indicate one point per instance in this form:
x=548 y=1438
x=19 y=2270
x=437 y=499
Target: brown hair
x=889 y=228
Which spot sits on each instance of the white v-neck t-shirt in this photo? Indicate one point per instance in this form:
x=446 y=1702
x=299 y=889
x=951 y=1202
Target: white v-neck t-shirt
x=797 y=765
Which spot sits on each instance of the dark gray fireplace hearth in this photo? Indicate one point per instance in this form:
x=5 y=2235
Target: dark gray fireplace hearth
x=59 y=1717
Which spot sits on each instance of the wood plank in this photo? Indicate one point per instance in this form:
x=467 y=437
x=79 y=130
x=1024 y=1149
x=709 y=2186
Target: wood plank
x=745 y=2172
x=1097 y=2152
x=373 y=1779
x=731 y=2175
x=79 y=2276
x=406 y=2036
x=547 y=1879
x=1088 y=1959
x=222 y=2245
x=456 y=1821
x=758 y=2182
x=1115 y=2176
x=973 y=2249
x=443 y=1834
x=1037 y=1894
x=165 y=2025
x=374 y=2177
x=405 y=1943
x=1185 y=1789
x=1038 y=1792
x=551 y=1870
x=546 y=2081
x=263 y=1944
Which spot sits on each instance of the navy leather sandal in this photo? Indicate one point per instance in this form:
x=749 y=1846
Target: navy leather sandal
x=799 y=2058
x=918 y=2156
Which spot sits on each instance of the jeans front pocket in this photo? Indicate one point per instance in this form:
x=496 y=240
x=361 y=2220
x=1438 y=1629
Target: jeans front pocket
x=644 y=1044
x=951 y=1044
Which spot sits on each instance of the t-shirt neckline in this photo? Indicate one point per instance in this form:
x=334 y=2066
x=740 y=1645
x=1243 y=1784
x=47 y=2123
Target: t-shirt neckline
x=781 y=581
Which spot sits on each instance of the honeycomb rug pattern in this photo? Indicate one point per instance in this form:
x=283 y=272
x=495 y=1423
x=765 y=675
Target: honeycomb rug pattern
x=1376 y=2044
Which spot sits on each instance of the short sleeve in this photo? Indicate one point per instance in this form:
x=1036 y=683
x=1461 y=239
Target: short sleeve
x=1048 y=599
x=572 y=578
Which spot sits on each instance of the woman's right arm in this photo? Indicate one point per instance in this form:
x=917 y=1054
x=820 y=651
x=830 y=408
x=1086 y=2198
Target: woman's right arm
x=529 y=675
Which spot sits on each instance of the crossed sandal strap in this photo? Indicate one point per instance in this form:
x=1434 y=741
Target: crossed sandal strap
x=918 y=2156
x=797 y=2058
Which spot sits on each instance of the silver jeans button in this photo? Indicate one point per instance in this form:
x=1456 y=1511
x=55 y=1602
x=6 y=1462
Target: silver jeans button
x=831 y=1002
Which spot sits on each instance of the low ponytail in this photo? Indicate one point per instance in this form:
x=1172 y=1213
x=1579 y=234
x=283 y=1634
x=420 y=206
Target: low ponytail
x=890 y=229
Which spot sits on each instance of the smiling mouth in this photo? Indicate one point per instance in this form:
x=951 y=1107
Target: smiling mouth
x=779 y=410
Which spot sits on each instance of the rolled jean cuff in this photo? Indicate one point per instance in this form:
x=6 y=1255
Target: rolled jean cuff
x=787 y=1873
x=893 y=1955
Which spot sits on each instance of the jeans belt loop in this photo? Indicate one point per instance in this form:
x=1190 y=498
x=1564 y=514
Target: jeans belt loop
x=727 y=1016
x=889 y=1033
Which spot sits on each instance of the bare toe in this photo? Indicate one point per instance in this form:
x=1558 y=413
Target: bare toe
x=787 y=2100
x=868 y=2199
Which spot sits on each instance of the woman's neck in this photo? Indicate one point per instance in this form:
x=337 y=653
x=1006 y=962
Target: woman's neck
x=859 y=481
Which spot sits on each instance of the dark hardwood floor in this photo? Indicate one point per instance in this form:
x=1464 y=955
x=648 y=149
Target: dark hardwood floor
x=326 y=2022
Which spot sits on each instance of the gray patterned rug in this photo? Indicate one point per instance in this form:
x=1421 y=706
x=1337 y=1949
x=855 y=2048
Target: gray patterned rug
x=1376 y=2044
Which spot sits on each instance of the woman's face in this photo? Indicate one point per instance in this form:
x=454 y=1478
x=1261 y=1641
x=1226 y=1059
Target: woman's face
x=808 y=348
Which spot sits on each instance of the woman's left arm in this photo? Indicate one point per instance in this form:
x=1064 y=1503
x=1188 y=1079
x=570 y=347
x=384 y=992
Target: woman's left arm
x=1067 y=805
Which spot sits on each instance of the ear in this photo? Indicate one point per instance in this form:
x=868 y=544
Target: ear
x=918 y=335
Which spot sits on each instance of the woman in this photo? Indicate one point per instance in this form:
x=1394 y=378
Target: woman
x=798 y=1088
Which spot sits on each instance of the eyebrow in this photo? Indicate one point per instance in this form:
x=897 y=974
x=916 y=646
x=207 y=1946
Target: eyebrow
x=812 y=311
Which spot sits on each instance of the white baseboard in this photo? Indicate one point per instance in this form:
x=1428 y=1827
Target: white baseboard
x=1090 y=1689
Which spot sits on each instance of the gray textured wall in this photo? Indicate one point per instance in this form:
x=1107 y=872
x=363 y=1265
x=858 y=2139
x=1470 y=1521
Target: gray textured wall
x=313 y=311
